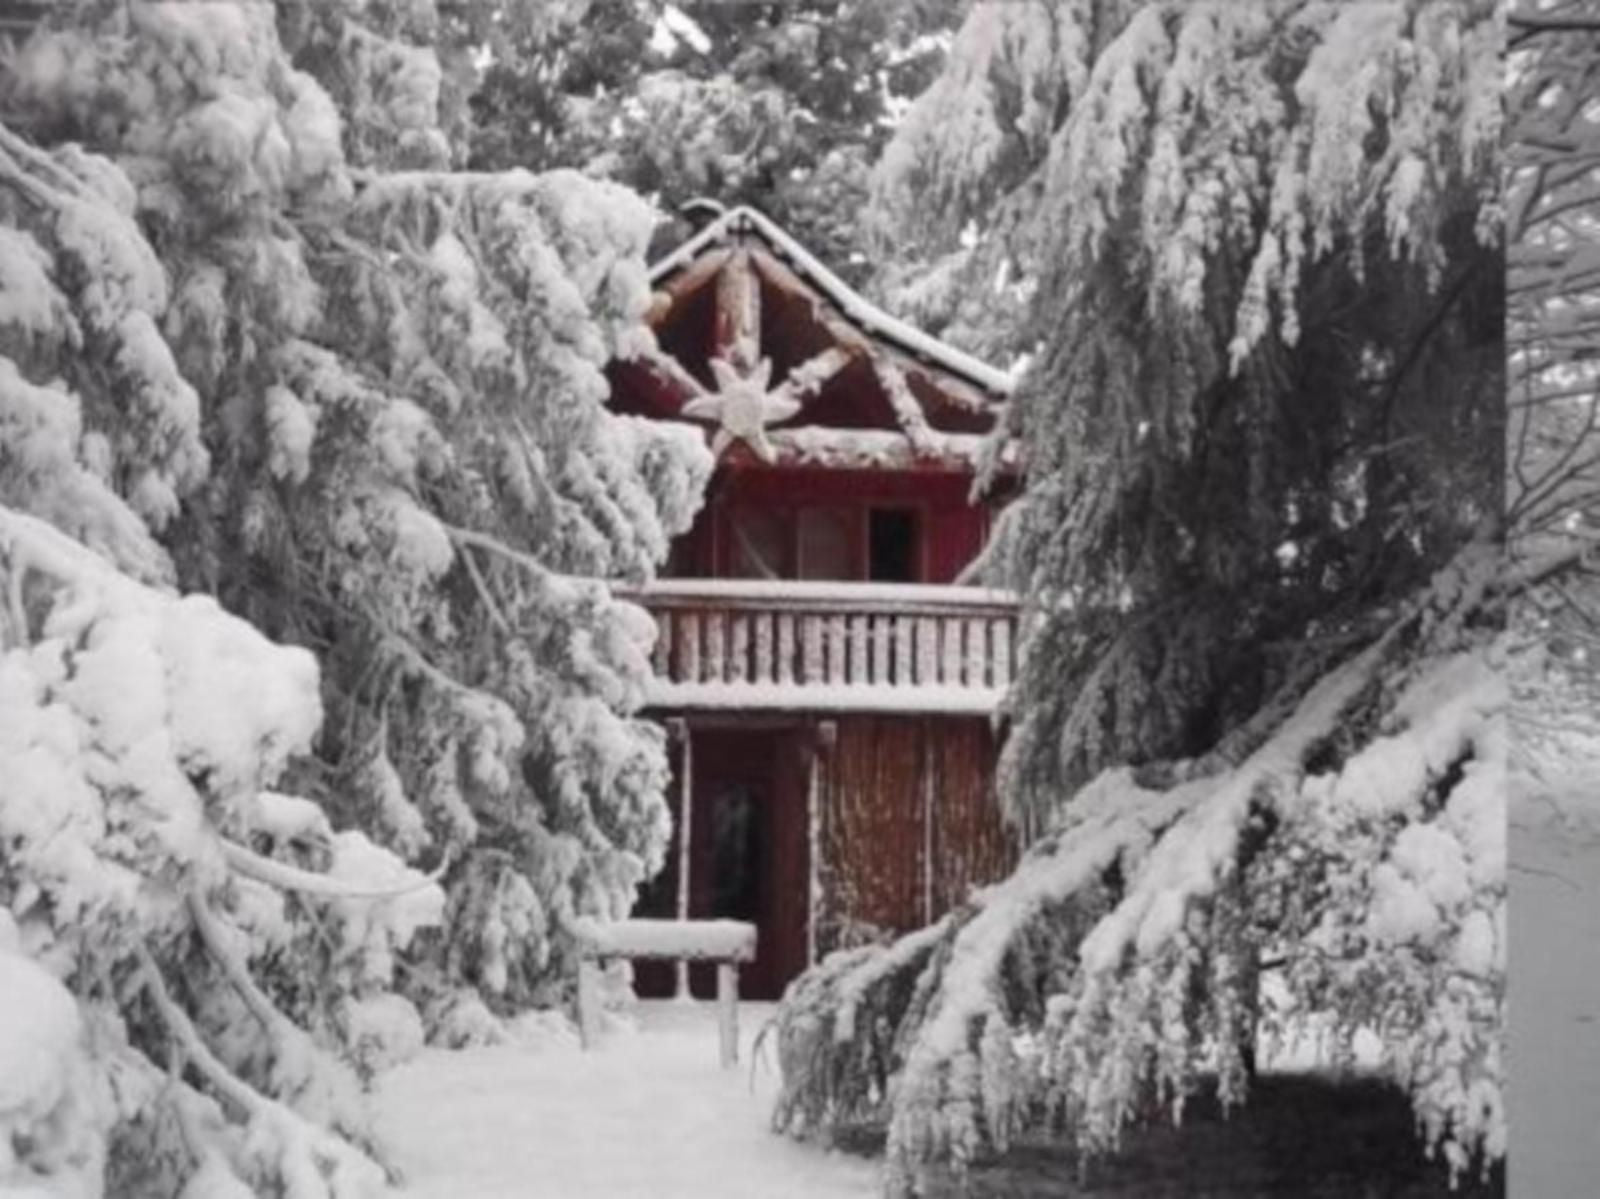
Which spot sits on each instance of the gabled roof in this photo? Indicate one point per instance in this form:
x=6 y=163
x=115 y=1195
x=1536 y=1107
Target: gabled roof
x=737 y=223
x=754 y=336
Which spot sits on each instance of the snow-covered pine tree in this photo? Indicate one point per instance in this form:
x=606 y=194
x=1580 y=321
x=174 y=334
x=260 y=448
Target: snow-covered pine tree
x=194 y=969
x=782 y=107
x=1553 y=332
x=1260 y=722
x=1553 y=302
x=383 y=434
x=956 y=185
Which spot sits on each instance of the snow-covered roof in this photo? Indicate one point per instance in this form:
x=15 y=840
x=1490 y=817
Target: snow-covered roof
x=741 y=222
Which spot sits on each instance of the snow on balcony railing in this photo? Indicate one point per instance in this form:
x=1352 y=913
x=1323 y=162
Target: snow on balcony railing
x=822 y=646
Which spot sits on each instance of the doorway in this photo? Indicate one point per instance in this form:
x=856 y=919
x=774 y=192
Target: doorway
x=749 y=855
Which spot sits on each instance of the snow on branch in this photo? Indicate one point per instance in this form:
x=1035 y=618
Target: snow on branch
x=138 y=732
x=690 y=940
x=1118 y=965
x=1552 y=273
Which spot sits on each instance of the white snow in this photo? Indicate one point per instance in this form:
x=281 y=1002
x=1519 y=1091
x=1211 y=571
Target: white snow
x=827 y=697
x=291 y=428
x=647 y=1114
x=730 y=939
x=822 y=446
x=827 y=591
x=46 y=1135
x=1554 y=1034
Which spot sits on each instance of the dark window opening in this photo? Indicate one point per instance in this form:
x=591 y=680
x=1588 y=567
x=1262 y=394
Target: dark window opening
x=892 y=546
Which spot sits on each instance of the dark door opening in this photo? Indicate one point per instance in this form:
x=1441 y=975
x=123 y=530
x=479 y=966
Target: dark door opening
x=749 y=852
x=892 y=545
x=737 y=851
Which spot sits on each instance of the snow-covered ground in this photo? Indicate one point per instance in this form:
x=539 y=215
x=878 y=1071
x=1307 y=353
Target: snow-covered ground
x=646 y=1114
x=649 y=1114
x=1554 y=1051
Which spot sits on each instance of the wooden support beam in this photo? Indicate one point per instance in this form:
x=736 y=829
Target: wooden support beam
x=847 y=335
x=825 y=737
x=812 y=375
x=738 y=327
x=668 y=376
x=927 y=820
x=588 y=1002
x=728 y=1013
x=678 y=729
x=687 y=280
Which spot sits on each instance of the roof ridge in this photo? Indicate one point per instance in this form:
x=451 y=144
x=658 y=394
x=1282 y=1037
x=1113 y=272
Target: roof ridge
x=855 y=307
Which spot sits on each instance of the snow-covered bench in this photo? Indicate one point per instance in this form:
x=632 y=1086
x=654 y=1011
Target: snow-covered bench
x=725 y=942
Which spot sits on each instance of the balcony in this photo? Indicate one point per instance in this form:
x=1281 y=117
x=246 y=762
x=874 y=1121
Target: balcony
x=783 y=645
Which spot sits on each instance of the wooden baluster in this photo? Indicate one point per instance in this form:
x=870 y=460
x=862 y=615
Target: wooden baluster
x=688 y=647
x=903 y=675
x=838 y=649
x=974 y=630
x=763 y=635
x=1001 y=631
x=785 y=647
x=882 y=633
x=927 y=651
x=661 y=652
x=811 y=664
x=950 y=656
x=739 y=658
x=716 y=648
x=859 y=632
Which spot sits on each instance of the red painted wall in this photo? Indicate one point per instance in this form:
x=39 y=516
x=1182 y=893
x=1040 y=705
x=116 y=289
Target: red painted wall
x=952 y=531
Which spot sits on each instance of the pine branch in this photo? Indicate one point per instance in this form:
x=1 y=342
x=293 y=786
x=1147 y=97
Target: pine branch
x=209 y=927
x=291 y=878
x=565 y=585
x=339 y=1157
x=489 y=602
x=1524 y=26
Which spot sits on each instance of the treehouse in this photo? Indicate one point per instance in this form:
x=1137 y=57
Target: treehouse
x=830 y=683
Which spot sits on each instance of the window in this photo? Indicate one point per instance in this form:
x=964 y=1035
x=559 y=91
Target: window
x=827 y=549
x=760 y=541
x=892 y=545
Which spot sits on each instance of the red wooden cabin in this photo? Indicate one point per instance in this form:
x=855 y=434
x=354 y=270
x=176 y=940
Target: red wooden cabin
x=830 y=686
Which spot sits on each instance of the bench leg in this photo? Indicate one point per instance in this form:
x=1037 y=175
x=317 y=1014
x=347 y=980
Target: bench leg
x=728 y=1011
x=588 y=1003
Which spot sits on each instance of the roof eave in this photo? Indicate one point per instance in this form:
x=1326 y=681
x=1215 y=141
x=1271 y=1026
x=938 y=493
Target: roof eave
x=854 y=307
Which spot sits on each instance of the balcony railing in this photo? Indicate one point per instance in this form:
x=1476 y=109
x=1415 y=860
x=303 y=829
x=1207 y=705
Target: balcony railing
x=743 y=644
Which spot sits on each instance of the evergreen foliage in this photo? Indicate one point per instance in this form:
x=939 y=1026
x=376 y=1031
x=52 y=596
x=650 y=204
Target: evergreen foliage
x=1263 y=430
x=1553 y=450
x=256 y=343
x=781 y=106
x=230 y=958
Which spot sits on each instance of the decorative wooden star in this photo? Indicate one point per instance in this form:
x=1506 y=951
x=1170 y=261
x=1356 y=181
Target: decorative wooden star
x=743 y=405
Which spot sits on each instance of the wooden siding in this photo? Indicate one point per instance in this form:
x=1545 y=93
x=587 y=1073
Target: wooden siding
x=909 y=824
x=872 y=832
x=969 y=842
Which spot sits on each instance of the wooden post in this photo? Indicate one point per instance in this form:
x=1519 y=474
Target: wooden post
x=826 y=736
x=929 y=728
x=588 y=1002
x=728 y=1012
x=680 y=729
